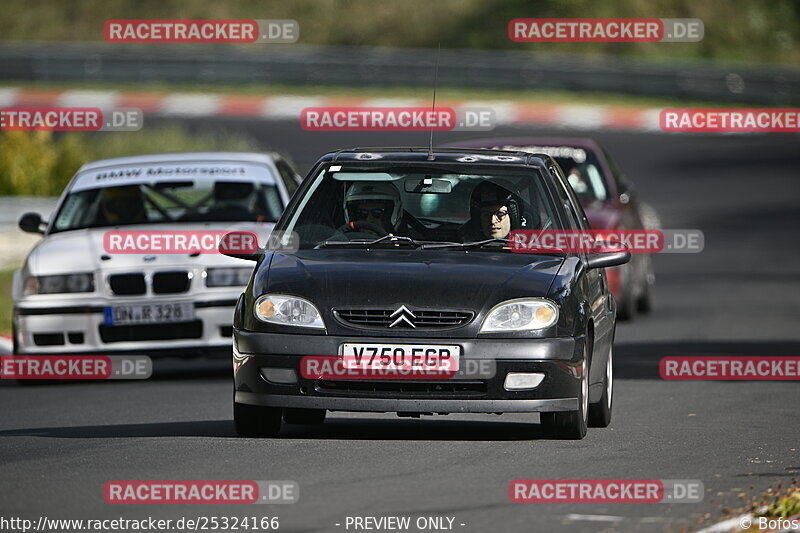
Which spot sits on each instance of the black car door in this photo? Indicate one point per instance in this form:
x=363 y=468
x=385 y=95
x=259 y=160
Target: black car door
x=597 y=286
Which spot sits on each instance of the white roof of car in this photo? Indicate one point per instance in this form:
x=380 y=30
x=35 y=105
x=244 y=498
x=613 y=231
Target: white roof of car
x=181 y=157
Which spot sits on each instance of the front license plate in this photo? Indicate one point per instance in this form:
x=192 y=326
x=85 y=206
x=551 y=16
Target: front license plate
x=122 y=315
x=401 y=356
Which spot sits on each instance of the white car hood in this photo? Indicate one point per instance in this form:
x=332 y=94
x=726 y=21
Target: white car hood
x=82 y=250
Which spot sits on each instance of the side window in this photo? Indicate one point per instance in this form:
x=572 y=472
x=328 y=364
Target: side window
x=566 y=199
x=580 y=214
x=287 y=176
x=79 y=209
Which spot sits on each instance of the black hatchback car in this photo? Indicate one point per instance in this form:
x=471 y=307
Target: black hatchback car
x=404 y=258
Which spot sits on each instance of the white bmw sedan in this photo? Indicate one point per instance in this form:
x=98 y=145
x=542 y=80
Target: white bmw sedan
x=125 y=266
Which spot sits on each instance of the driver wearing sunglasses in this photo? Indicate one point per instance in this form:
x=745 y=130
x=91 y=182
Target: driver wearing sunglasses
x=494 y=212
x=370 y=211
x=494 y=221
x=377 y=204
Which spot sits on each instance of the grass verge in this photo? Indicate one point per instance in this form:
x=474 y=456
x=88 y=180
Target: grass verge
x=6 y=304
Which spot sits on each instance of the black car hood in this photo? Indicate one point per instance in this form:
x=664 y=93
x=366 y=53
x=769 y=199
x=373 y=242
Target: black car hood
x=434 y=279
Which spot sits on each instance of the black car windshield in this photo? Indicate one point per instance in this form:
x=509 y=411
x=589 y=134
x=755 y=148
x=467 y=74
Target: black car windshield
x=161 y=202
x=436 y=204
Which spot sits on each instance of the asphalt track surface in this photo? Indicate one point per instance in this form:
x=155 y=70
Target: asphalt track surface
x=740 y=296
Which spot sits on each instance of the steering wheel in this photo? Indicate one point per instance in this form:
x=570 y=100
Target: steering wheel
x=360 y=225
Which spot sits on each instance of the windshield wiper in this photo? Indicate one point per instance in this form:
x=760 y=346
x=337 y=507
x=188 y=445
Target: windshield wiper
x=466 y=245
x=390 y=239
x=497 y=243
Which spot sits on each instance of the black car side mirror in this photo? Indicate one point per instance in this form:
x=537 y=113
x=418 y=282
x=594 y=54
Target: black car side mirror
x=607 y=259
x=626 y=192
x=32 y=223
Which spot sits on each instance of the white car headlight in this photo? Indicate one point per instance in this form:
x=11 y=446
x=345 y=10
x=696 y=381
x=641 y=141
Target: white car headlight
x=287 y=311
x=524 y=314
x=61 y=283
x=228 y=277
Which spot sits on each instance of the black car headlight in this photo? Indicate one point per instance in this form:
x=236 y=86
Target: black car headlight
x=59 y=284
x=287 y=311
x=228 y=277
x=523 y=314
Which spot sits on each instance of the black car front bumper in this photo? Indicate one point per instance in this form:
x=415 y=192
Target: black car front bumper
x=558 y=358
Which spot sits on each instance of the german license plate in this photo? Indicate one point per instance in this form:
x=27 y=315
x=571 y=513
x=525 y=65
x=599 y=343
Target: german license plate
x=156 y=313
x=413 y=357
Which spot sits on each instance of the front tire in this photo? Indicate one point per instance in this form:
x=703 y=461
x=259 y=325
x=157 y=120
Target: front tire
x=628 y=307
x=645 y=302
x=571 y=425
x=600 y=412
x=256 y=421
x=14 y=343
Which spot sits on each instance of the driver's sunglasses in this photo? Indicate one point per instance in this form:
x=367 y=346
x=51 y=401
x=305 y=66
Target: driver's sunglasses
x=376 y=212
x=499 y=214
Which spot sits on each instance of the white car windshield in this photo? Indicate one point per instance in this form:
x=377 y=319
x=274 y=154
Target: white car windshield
x=157 y=202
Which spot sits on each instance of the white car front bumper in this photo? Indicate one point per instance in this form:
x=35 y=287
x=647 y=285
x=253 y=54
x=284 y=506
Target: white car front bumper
x=81 y=328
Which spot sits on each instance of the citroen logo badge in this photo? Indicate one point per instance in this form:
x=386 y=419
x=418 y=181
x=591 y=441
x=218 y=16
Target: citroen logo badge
x=402 y=315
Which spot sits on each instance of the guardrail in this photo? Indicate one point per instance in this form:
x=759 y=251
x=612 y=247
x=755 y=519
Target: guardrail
x=358 y=66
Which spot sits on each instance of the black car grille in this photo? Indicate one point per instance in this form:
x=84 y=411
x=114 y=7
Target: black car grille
x=48 y=339
x=401 y=388
x=163 y=283
x=171 y=282
x=382 y=318
x=152 y=332
x=127 y=284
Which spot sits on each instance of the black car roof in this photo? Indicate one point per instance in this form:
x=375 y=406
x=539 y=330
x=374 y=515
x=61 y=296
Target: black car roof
x=440 y=155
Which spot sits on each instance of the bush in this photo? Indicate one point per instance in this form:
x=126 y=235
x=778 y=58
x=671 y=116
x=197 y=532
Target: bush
x=41 y=164
x=27 y=160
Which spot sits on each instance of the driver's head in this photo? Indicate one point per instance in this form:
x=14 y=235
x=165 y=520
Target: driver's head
x=375 y=202
x=123 y=205
x=233 y=192
x=576 y=180
x=494 y=209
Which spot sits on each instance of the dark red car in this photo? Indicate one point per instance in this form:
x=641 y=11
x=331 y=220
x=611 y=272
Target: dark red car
x=609 y=200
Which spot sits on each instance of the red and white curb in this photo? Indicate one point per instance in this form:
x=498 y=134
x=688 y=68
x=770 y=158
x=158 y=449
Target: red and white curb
x=198 y=105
